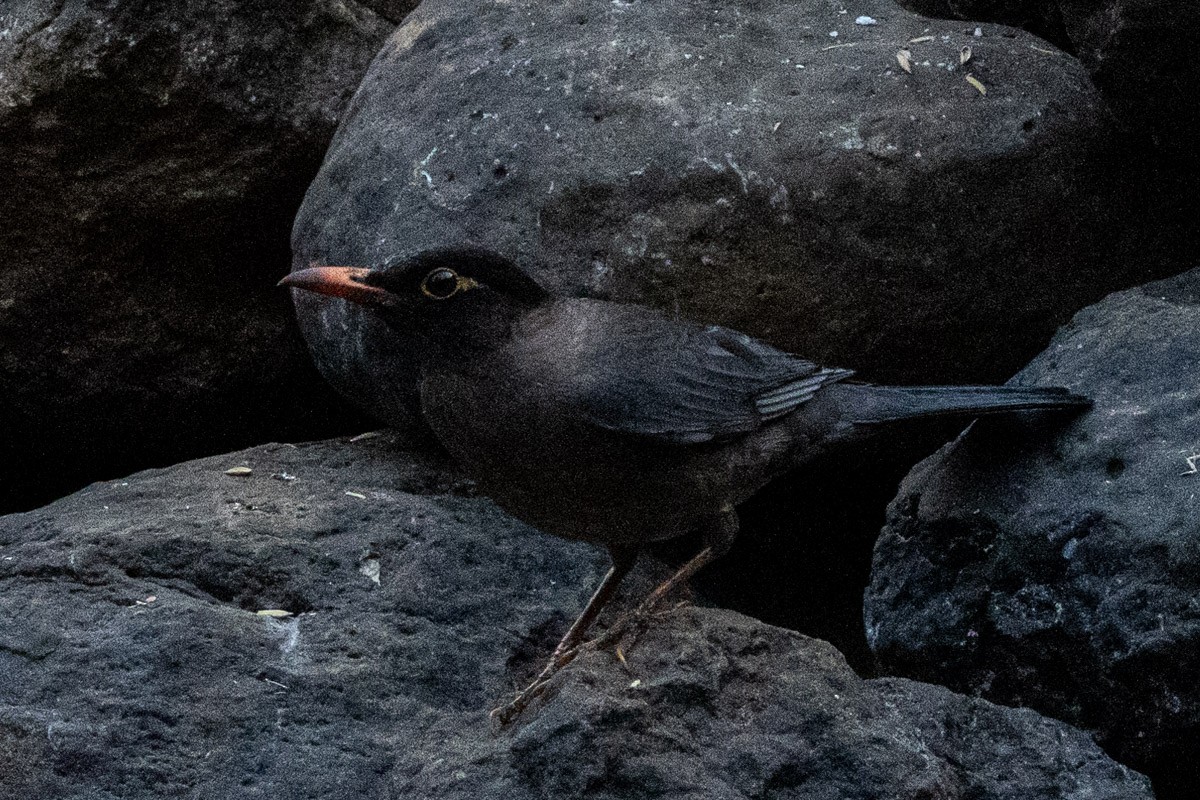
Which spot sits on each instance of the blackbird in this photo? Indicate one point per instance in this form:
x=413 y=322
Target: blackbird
x=614 y=423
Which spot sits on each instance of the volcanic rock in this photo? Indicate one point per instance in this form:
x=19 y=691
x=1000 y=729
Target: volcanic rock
x=1139 y=53
x=153 y=156
x=1060 y=570
x=337 y=623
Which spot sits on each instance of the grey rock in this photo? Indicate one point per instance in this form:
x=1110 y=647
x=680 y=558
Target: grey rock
x=1139 y=53
x=738 y=163
x=135 y=664
x=1064 y=573
x=153 y=156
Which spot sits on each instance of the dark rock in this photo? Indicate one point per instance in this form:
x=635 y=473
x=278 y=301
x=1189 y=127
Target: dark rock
x=138 y=667
x=1139 y=53
x=738 y=163
x=393 y=11
x=804 y=553
x=153 y=157
x=1062 y=571
x=1036 y=16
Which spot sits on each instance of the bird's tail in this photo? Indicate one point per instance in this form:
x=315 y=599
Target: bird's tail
x=888 y=403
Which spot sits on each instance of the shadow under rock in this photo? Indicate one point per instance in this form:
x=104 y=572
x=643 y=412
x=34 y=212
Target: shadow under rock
x=803 y=557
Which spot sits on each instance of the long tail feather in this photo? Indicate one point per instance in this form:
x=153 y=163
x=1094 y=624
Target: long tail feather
x=888 y=403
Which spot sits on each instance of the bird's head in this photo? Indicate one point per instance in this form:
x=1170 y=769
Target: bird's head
x=451 y=297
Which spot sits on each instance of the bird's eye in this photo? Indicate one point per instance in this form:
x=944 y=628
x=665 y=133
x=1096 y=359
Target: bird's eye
x=441 y=284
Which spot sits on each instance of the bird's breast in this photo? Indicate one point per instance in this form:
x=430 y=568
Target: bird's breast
x=548 y=467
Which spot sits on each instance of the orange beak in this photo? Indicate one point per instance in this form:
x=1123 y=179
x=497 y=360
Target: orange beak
x=348 y=283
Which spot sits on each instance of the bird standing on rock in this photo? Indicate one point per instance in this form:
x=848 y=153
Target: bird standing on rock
x=613 y=423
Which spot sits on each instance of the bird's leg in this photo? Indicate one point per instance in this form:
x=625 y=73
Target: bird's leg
x=718 y=538
x=623 y=559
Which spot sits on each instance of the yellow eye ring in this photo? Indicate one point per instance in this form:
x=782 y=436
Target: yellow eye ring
x=443 y=283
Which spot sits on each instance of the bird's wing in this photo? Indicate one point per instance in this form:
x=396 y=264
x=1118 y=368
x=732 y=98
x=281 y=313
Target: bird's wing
x=685 y=384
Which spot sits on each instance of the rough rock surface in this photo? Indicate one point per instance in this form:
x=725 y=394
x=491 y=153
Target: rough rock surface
x=135 y=665
x=1139 y=53
x=740 y=163
x=153 y=156
x=1068 y=579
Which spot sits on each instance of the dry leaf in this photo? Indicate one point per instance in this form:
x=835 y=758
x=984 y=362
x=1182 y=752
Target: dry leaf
x=239 y=472
x=979 y=87
x=904 y=59
x=273 y=612
x=964 y=55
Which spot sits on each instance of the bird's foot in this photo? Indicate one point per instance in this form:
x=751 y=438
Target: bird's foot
x=633 y=621
x=507 y=713
x=510 y=711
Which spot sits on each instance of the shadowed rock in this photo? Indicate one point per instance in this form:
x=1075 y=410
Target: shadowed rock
x=1066 y=579
x=136 y=664
x=1139 y=53
x=153 y=156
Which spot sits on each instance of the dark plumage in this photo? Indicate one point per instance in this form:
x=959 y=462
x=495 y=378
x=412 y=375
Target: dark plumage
x=614 y=423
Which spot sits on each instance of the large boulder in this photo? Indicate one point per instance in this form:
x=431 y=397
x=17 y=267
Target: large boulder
x=139 y=665
x=1064 y=573
x=767 y=166
x=153 y=156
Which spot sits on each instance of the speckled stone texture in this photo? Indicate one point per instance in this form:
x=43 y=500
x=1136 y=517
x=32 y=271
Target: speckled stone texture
x=1139 y=53
x=1067 y=578
x=135 y=664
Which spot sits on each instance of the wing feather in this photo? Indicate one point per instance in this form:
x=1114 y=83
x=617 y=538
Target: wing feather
x=685 y=384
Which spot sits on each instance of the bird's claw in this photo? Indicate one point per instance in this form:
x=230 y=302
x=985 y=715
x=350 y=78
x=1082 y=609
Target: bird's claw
x=634 y=619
